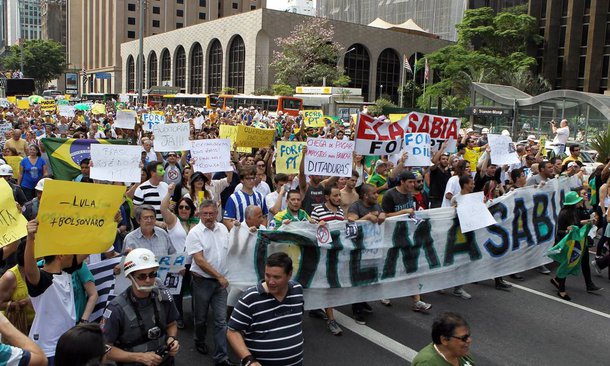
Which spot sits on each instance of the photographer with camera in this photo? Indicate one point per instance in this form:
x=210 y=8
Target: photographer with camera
x=561 y=136
x=140 y=324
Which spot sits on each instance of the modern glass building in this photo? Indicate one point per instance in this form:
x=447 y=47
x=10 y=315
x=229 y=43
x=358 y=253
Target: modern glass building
x=505 y=107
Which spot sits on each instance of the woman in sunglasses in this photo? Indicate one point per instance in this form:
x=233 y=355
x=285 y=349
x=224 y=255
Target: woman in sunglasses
x=450 y=343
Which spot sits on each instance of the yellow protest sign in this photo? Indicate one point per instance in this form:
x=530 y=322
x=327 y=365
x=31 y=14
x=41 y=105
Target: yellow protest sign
x=397 y=117
x=254 y=137
x=48 y=106
x=230 y=132
x=77 y=218
x=12 y=100
x=313 y=118
x=14 y=162
x=98 y=108
x=23 y=104
x=288 y=156
x=12 y=223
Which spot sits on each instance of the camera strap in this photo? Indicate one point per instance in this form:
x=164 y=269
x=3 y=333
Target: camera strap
x=143 y=330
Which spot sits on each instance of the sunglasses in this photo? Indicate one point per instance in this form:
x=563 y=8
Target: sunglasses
x=184 y=207
x=463 y=338
x=144 y=276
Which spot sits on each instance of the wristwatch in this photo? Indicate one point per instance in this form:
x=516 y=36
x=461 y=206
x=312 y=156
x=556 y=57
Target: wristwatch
x=246 y=361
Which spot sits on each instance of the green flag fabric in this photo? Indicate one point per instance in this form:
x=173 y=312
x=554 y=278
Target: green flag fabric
x=568 y=252
x=65 y=155
x=593 y=186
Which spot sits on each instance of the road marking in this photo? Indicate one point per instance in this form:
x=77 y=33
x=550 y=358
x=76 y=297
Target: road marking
x=374 y=336
x=555 y=298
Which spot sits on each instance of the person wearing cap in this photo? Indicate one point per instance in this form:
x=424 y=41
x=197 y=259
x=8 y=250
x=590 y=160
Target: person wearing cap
x=379 y=178
x=561 y=136
x=487 y=171
x=6 y=172
x=482 y=141
x=472 y=153
x=531 y=140
x=574 y=155
x=30 y=208
x=139 y=325
x=173 y=166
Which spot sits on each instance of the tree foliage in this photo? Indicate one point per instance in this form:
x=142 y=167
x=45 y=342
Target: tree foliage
x=491 y=48
x=43 y=61
x=601 y=143
x=308 y=55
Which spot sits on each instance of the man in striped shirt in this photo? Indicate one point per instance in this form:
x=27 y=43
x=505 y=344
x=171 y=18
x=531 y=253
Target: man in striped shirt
x=153 y=190
x=235 y=208
x=266 y=326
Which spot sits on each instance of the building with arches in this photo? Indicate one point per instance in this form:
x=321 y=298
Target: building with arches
x=235 y=52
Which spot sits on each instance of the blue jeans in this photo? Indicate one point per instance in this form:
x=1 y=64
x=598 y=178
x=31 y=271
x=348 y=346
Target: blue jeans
x=206 y=293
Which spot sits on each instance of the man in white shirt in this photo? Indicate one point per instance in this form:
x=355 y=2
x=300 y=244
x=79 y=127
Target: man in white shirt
x=561 y=136
x=276 y=201
x=208 y=244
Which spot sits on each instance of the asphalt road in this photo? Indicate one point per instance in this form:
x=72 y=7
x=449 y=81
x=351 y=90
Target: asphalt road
x=529 y=325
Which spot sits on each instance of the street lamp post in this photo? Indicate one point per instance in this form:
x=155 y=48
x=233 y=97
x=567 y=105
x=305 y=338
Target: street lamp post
x=140 y=77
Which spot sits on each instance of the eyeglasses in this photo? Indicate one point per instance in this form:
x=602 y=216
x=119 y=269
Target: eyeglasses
x=148 y=218
x=184 y=208
x=463 y=338
x=144 y=276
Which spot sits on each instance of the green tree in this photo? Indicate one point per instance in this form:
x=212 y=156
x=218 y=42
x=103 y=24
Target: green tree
x=488 y=45
x=43 y=61
x=308 y=55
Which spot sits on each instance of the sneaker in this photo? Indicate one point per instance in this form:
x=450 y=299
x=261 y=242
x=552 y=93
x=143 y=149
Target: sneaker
x=334 y=328
x=386 y=302
x=460 y=292
x=543 y=270
x=596 y=267
x=592 y=288
x=318 y=313
x=367 y=308
x=503 y=286
x=421 y=306
x=359 y=318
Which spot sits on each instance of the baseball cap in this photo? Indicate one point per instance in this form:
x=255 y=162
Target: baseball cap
x=485 y=130
x=572 y=164
x=531 y=137
x=406 y=175
x=380 y=162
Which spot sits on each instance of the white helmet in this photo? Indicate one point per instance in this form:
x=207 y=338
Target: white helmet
x=139 y=258
x=40 y=184
x=6 y=170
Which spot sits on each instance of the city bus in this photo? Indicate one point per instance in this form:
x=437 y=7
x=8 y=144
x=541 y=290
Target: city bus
x=271 y=103
x=154 y=95
x=99 y=97
x=196 y=100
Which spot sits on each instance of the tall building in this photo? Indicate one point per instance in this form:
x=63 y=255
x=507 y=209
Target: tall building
x=53 y=20
x=496 y=5
x=96 y=29
x=303 y=7
x=3 y=29
x=22 y=19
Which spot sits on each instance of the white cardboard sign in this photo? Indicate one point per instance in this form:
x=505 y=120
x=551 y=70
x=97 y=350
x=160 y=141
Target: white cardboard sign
x=417 y=146
x=116 y=163
x=212 y=155
x=503 y=150
x=329 y=157
x=171 y=137
x=149 y=120
x=125 y=120
x=473 y=213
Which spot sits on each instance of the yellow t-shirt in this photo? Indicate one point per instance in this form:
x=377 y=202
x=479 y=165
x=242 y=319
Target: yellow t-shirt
x=472 y=156
x=18 y=145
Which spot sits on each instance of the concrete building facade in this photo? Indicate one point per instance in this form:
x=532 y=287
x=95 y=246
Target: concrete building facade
x=96 y=29
x=22 y=19
x=236 y=52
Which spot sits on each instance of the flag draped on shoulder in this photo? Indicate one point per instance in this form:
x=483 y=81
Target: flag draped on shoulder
x=568 y=252
x=65 y=155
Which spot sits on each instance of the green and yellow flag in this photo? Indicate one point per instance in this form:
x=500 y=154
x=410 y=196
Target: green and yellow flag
x=568 y=252
x=65 y=155
x=593 y=186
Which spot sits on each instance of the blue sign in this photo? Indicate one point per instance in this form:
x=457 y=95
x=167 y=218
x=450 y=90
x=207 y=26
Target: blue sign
x=103 y=75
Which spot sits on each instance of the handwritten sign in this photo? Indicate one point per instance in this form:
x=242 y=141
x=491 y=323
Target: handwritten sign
x=23 y=104
x=98 y=108
x=417 y=146
x=212 y=155
x=116 y=163
x=329 y=157
x=152 y=119
x=12 y=223
x=473 y=213
x=125 y=120
x=4 y=129
x=66 y=111
x=171 y=137
x=313 y=118
x=198 y=122
x=288 y=156
x=77 y=218
x=503 y=150
x=14 y=162
x=376 y=137
x=230 y=132
x=254 y=137
x=440 y=128
x=48 y=106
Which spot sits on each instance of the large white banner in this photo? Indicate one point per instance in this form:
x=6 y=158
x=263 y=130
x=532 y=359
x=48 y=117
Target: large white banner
x=375 y=137
x=212 y=155
x=345 y=263
x=329 y=157
x=171 y=137
x=116 y=163
x=440 y=128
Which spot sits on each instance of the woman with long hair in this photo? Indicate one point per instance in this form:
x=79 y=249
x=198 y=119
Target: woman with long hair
x=361 y=169
x=198 y=181
x=31 y=170
x=82 y=345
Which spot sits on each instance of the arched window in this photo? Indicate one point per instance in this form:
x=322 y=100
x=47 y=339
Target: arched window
x=388 y=74
x=237 y=64
x=180 y=68
x=357 y=64
x=131 y=74
x=196 y=70
x=153 y=65
x=215 y=67
x=166 y=66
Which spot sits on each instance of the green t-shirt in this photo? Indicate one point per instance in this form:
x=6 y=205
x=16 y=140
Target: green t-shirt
x=79 y=279
x=287 y=215
x=429 y=357
x=378 y=180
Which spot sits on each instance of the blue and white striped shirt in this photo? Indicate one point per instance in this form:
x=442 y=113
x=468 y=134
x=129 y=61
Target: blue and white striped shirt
x=236 y=204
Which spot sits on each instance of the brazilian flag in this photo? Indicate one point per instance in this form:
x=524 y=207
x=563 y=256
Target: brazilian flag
x=568 y=252
x=593 y=186
x=65 y=155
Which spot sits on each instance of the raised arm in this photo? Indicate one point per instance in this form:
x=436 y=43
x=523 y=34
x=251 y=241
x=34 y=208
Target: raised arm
x=302 y=178
x=168 y=216
x=32 y=273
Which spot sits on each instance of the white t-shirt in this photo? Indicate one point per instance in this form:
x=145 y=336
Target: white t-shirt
x=262 y=188
x=562 y=135
x=453 y=187
x=270 y=200
x=214 y=245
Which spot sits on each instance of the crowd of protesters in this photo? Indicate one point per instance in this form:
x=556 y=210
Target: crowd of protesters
x=175 y=209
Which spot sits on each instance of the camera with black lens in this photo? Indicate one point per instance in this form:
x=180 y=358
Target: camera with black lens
x=154 y=333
